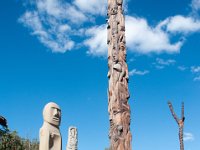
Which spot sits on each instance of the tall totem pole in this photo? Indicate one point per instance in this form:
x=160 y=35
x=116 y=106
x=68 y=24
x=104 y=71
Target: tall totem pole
x=118 y=94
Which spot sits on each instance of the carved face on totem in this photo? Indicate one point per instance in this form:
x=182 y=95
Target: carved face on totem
x=115 y=57
x=52 y=114
x=113 y=9
x=122 y=51
x=73 y=132
x=119 y=2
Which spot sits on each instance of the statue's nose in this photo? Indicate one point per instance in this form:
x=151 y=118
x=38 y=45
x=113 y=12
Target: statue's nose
x=56 y=112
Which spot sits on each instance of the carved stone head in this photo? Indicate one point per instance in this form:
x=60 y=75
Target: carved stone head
x=52 y=114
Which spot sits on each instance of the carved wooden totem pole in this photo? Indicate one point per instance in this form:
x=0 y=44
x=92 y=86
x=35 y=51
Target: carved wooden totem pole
x=180 y=123
x=118 y=94
x=72 y=143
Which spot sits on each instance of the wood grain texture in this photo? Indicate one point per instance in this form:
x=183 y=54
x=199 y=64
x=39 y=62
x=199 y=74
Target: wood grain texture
x=118 y=93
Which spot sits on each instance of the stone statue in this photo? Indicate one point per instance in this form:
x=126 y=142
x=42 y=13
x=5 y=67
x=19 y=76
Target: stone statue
x=72 y=143
x=50 y=137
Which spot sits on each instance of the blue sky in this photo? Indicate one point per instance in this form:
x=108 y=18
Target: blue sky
x=53 y=50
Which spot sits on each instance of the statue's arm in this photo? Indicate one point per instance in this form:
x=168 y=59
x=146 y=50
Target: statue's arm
x=44 y=139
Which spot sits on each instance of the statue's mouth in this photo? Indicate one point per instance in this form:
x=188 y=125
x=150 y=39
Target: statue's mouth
x=56 y=119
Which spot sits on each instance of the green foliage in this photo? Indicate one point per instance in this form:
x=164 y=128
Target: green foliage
x=30 y=145
x=11 y=141
x=3 y=130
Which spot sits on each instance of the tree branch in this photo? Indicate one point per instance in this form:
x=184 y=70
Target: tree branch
x=173 y=113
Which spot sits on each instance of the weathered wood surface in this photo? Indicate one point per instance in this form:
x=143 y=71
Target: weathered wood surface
x=180 y=123
x=118 y=93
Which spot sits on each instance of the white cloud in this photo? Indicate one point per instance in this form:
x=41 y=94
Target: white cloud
x=182 y=68
x=195 y=5
x=165 y=62
x=138 y=72
x=74 y=15
x=195 y=69
x=64 y=27
x=188 y=136
x=32 y=20
x=143 y=38
x=155 y=39
x=92 y=6
x=197 y=78
x=52 y=21
x=51 y=7
x=60 y=10
x=180 y=24
x=159 y=67
x=53 y=37
x=97 y=41
x=161 y=63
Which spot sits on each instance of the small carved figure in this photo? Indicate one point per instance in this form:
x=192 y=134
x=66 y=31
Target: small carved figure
x=121 y=20
x=113 y=10
x=114 y=27
x=122 y=59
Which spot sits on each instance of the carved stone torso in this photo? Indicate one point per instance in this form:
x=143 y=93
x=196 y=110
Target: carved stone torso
x=50 y=137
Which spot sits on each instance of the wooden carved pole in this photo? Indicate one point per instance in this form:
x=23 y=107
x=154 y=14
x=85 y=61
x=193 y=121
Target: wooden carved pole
x=180 y=123
x=118 y=94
